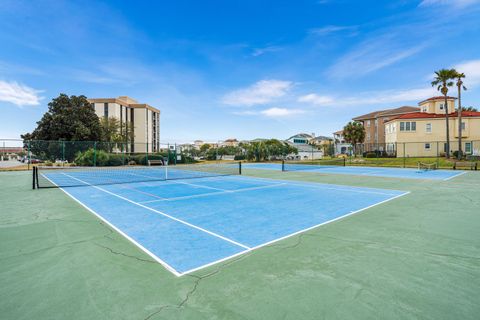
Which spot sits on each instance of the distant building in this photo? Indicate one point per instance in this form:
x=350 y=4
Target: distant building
x=374 y=124
x=423 y=133
x=308 y=146
x=230 y=143
x=340 y=145
x=141 y=118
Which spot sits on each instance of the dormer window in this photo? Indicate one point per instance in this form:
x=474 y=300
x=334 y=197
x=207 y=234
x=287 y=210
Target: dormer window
x=424 y=109
x=441 y=106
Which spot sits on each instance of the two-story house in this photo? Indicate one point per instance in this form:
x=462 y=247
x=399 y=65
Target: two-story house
x=423 y=133
x=374 y=124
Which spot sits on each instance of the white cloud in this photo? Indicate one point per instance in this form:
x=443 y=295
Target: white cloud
x=316 y=99
x=262 y=92
x=371 y=56
x=261 y=51
x=280 y=112
x=273 y=112
x=371 y=98
x=323 y=31
x=472 y=71
x=19 y=94
x=454 y=3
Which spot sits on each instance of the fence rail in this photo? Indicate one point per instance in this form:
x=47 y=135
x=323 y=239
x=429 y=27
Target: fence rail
x=15 y=153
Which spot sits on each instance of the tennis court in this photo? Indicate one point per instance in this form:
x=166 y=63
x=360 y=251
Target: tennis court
x=401 y=173
x=187 y=224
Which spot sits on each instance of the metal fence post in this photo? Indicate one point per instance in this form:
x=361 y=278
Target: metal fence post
x=95 y=154
x=404 y=155
x=63 y=153
x=29 y=155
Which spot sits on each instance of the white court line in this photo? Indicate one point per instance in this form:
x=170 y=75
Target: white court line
x=164 y=214
x=140 y=191
x=322 y=185
x=446 y=179
x=293 y=234
x=198 y=185
x=214 y=193
x=163 y=263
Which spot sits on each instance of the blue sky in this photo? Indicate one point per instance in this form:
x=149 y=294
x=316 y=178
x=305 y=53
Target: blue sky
x=244 y=69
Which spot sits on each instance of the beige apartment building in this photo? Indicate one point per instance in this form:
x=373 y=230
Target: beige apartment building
x=141 y=118
x=374 y=124
x=423 y=133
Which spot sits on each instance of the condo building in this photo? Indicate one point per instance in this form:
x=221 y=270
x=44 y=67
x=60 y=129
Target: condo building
x=140 y=119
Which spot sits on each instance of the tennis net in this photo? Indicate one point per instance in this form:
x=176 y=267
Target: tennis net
x=309 y=165
x=426 y=166
x=51 y=177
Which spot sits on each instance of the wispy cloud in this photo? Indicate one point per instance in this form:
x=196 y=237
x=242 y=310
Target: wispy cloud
x=262 y=92
x=453 y=3
x=268 y=49
x=326 y=30
x=274 y=112
x=280 y=112
x=316 y=99
x=373 y=55
x=471 y=69
x=369 y=98
x=19 y=94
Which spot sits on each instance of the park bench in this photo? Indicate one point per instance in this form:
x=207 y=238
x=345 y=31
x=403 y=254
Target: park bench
x=465 y=165
x=155 y=162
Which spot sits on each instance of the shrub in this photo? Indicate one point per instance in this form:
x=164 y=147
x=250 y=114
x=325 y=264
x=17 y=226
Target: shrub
x=91 y=157
x=370 y=155
x=239 y=157
x=116 y=160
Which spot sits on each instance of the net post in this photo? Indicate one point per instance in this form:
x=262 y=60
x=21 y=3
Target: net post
x=240 y=168
x=33 y=178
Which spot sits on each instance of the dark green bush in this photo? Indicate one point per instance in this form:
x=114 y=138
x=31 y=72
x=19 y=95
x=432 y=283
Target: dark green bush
x=239 y=157
x=370 y=155
x=91 y=157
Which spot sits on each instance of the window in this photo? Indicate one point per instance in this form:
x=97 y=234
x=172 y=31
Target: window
x=468 y=147
x=428 y=128
x=463 y=126
x=424 y=109
x=427 y=146
x=105 y=110
x=368 y=136
x=299 y=141
x=408 y=126
x=368 y=123
x=441 y=106
x=376 y=122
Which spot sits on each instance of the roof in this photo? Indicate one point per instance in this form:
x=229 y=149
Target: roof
x=424 y=115
x=125 y=101
x=302 y=135
x=436 y=98
x=338 y=132
x=387 y=112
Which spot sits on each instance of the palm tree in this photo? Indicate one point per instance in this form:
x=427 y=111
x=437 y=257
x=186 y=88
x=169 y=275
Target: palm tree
x=354 y=133
x=459 y=76
x=442 y=81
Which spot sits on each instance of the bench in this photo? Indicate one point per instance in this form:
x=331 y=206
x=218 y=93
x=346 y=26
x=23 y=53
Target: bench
x=155 y=162
x=465 y=165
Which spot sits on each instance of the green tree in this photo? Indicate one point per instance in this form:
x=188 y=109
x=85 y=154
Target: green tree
x=354 y=133
x=471 y=108
x=459 y=76
x=113 y=132
x=442 y=82
x=67 y=119
x=204 y=148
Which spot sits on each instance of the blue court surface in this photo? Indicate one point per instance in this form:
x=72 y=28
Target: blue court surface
x=189 y=224
x=401 y=173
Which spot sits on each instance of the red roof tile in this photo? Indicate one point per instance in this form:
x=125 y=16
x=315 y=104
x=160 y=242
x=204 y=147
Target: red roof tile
x=424 y=115
x=436 y=98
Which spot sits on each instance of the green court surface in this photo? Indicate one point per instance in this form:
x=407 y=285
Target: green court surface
x=415 y=257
